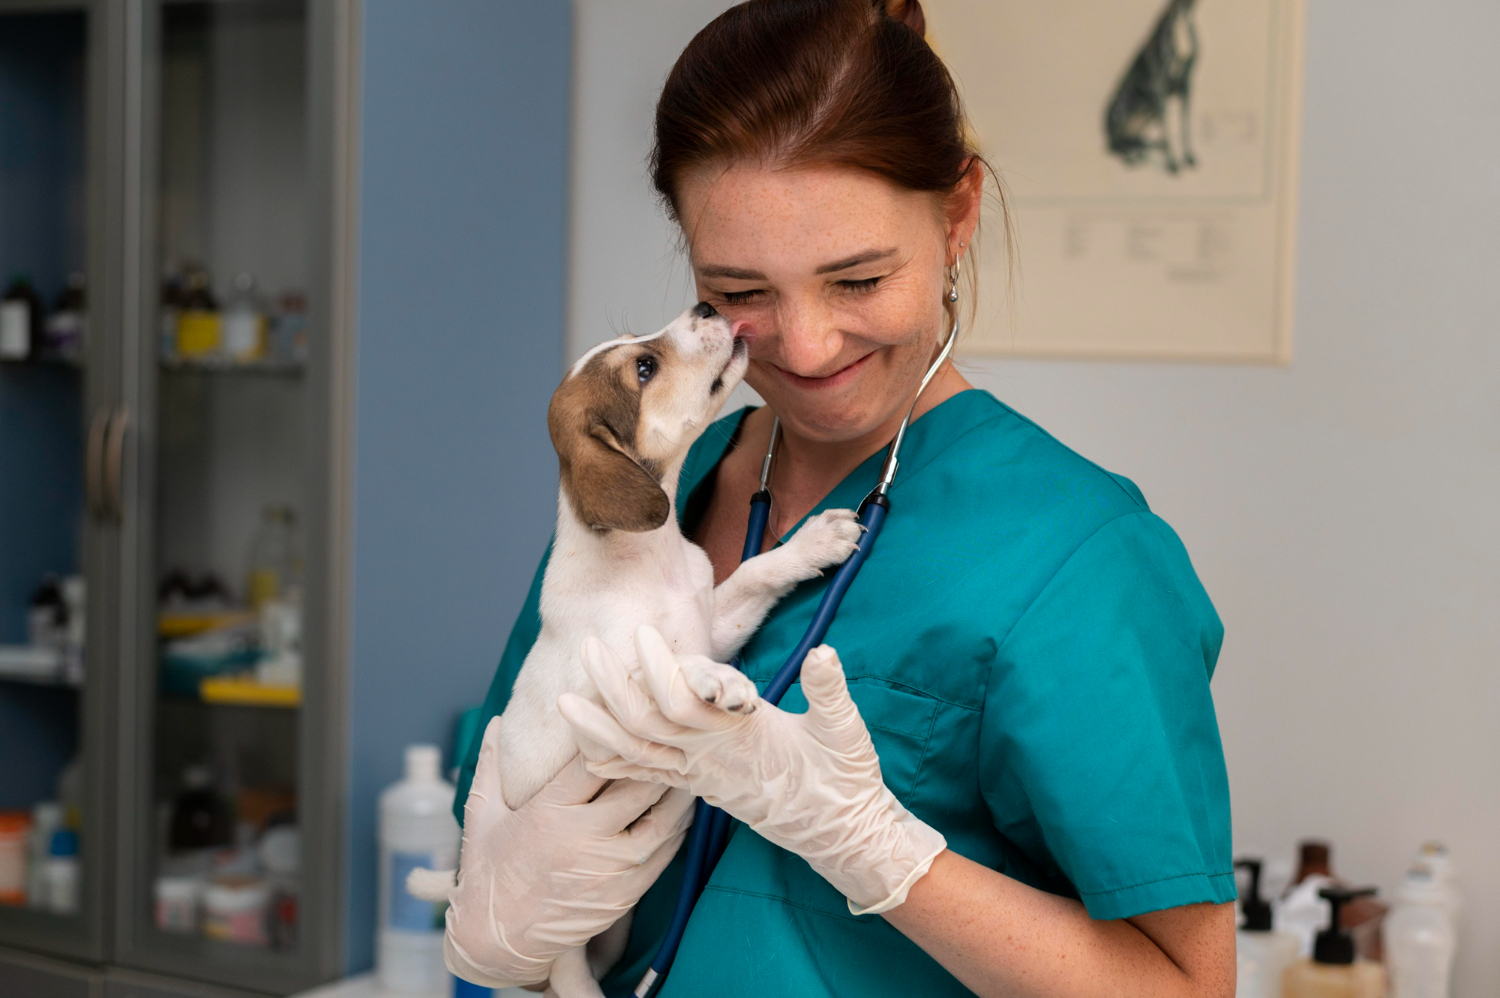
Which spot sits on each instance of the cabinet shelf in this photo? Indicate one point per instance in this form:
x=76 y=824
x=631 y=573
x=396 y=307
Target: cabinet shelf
x=222 y=366
x=246 y=692
x=49 y=363
x=33 y=666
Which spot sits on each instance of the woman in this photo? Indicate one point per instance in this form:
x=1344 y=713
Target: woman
x=1027 y=650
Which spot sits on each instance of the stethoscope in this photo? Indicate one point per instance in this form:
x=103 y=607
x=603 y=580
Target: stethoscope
x=710 y=834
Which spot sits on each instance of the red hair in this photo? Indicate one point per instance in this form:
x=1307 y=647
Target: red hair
x=801 y=82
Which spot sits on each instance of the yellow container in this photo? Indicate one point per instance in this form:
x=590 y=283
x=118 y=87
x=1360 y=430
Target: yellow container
x=198 y=333
x=265 y=585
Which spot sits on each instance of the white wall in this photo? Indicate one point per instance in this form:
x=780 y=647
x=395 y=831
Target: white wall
x=1342 y=511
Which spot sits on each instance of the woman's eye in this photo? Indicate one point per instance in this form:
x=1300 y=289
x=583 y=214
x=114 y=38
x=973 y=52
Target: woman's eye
x=740 y=297
x=645 y=367
x=868 y=284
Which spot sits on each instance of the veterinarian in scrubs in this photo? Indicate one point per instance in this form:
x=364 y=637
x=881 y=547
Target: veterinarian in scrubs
x=1028 y=646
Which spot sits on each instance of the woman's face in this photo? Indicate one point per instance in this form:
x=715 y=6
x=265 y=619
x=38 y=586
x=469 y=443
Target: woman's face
x=838 y=275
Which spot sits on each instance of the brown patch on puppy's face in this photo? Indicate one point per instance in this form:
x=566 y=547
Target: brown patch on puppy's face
x=623 y=419
x=593 y=421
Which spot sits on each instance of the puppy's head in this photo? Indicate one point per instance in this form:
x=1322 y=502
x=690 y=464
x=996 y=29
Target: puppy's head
x=624 y=417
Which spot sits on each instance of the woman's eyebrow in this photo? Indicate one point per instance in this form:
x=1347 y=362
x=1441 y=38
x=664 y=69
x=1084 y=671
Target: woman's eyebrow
x=868 y=256
x=733 y=273
x=736 y=274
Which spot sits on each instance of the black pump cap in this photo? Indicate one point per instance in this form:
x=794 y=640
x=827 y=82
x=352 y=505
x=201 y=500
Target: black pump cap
x=1257 y=912
x=1334 y=944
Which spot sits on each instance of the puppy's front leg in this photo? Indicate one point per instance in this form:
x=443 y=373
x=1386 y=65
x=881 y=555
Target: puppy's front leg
x=742 y=601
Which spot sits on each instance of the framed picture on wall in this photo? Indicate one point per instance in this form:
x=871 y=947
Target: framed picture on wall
x=1149 y=152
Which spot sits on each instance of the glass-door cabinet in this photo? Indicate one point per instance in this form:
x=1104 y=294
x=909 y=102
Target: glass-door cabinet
x=172 y=207
x=61 y=437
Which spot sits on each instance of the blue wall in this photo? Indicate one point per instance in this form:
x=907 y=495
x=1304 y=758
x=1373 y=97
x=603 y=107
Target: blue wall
x=464 y=171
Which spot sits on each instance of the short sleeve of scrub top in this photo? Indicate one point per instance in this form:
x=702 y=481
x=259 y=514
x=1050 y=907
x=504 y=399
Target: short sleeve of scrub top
x=1031 y=650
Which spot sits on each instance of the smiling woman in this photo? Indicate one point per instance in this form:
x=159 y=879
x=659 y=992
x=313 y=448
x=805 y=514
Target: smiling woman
x=838 y=277
x=1027 y=649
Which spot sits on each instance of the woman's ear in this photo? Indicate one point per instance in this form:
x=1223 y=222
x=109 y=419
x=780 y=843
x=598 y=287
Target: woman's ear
x=962 y=208
x=605 y=486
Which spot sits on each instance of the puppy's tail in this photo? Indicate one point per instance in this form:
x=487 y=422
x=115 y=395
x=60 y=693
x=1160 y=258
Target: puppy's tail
x=431 y=885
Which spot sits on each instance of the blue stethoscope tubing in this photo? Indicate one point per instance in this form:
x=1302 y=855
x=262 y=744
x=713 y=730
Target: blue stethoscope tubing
x=711 y=826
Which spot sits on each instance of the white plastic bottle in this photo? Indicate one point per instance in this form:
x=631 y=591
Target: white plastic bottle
x=417 y=829
x=60 y=873
x=1434 y=856
x=46 y=817
x=1420 y=937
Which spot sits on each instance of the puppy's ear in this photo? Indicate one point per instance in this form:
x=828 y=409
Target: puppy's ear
x=607 y=488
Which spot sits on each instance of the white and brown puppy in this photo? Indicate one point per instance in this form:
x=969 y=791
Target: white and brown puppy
x=622 y=422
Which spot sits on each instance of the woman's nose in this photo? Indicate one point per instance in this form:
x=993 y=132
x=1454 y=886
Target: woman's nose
x=809 y=342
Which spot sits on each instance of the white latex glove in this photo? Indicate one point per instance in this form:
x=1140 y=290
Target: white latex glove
x=809 y=783
x=554 y=873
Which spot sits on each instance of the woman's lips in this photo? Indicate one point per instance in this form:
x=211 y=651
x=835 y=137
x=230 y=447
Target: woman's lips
x=835 y=380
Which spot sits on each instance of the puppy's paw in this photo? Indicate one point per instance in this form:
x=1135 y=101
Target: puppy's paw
x=724 y=686
x=828 y=538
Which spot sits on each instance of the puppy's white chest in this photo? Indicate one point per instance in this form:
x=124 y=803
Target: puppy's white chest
x=674 y=594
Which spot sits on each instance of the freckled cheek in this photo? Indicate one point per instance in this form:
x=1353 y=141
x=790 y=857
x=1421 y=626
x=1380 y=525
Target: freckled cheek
x=891 y=322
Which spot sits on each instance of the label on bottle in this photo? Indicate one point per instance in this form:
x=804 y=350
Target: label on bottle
x=265 y=586
x=244 y=335
x=15 y=330
x=197 y=333
x=411 y=914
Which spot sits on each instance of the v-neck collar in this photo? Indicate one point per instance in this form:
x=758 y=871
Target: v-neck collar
x=927 y=437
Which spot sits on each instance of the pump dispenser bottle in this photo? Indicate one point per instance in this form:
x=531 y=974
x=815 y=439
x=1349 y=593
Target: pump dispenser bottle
x=1261 y=955
x=1334 y=971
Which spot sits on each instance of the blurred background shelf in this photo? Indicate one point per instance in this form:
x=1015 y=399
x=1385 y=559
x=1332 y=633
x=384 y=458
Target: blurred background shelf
x=229 y=368
x=35 y=674
x=247 y=692
x=39 y=666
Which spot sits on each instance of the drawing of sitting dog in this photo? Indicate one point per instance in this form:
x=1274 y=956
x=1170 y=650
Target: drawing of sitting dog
x=1135 y=122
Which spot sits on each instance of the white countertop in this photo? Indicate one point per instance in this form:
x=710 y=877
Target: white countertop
x=364 y=986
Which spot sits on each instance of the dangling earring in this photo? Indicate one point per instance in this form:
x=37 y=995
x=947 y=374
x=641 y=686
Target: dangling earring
x=953 y=273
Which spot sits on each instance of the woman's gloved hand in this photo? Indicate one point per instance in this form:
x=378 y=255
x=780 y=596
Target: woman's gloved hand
x=555 y=872
x=809 y=783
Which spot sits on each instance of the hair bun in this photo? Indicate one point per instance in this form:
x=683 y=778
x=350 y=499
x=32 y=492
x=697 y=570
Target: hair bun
x=908 y=12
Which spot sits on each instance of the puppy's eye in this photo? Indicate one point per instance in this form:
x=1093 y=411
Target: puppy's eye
x=645 y=368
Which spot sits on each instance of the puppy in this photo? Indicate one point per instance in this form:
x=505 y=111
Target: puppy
x=622 y=423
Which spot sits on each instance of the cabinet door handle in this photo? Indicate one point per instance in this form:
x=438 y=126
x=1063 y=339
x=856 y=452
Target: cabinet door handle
x=93 y=462
x=114 y=464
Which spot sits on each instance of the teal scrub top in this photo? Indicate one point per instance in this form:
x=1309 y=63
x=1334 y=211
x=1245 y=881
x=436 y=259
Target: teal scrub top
x=1031 y=650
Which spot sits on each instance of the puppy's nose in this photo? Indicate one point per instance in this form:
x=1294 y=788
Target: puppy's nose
x=704 y=310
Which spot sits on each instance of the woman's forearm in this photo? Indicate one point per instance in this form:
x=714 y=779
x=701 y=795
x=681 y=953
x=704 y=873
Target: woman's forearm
x=1001 y=937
